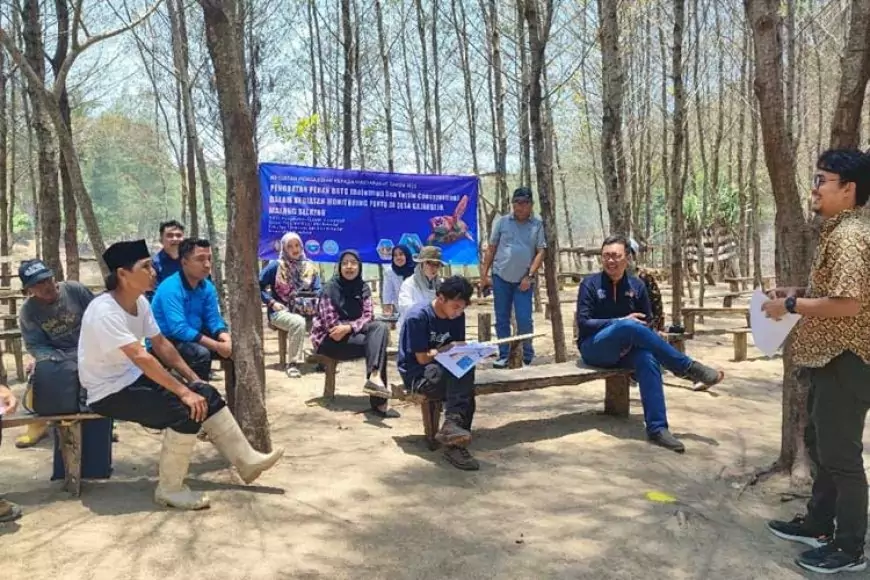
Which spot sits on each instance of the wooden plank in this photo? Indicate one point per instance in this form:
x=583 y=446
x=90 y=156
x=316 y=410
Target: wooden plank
x=716 y=310
x=491 y=381
x=23 y=419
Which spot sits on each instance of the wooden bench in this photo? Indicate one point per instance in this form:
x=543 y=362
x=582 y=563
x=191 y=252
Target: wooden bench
x=70 y=431
x=548 y=313
x=12 y=336
x=741 y=343
x=743 y=283
x=690 y=313
x=728 y=299
x=330 y=368
x=494 y=381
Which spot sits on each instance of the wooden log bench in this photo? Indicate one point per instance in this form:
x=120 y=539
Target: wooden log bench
x=741 y=343
x=736 y=284
x=728 y=299
x=12 y=337
x=548 y=314
x=70 y=433
x=494 y=381
x=330 y=369
x=690 y=313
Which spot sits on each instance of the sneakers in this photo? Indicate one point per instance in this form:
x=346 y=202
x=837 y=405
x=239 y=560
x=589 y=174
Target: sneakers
x=293 y=372
x=830 y=559
x=376 y=388
x=460 y=458
x=501 y=363
x=665 y=439
x=9 y=512
x=701 y=373
x=451 y=434
x=797 y=530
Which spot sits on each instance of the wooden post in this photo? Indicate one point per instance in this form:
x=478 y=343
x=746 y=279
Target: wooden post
x=616 y=399
x=331 y=367
x=690 y=322
x=515 y=358
x=740 y=346
x=282 y=347
x=70 y=435
x=431 y=419
x=18 y=353
x=484 y=326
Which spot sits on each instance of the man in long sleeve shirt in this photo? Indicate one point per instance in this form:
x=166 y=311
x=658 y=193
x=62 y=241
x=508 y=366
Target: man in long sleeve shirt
x=187 y=311
x=612 y=310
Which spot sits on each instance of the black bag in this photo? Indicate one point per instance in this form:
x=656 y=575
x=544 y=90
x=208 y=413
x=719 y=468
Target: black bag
x=56 y=387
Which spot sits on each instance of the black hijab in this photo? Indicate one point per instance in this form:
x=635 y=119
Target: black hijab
x=348 y=295
x=407 y=270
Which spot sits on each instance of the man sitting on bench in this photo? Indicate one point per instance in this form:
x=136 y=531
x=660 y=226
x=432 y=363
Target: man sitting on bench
x=612 y=310
x=428 y=329
x=125 y=382
x=50 y=320
x=187 y=311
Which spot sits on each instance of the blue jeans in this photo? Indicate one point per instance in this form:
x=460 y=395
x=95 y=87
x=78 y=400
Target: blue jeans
x=647 y=353
x=507 y=295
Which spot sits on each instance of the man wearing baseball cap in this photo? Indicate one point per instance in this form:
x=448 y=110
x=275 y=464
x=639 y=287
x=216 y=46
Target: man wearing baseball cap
x=515 y=253
x=50 y=321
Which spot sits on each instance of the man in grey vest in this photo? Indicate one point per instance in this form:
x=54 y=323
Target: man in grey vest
x=515 y=253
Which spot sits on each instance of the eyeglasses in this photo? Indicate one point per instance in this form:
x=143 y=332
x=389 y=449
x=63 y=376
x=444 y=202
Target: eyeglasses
x=612 y=257
x=819 y=180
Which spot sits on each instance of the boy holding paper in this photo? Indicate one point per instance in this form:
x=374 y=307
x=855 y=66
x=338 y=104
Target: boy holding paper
x=429 y=329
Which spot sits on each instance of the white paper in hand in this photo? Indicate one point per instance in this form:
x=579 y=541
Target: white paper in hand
x=463 y=357
x=768 y=334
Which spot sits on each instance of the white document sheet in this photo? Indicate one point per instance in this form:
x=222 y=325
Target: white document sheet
x=461 y=358
x=769 y=334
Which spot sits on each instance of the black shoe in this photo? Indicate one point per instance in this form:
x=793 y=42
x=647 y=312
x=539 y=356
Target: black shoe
x=798 y=530
x=460 y=458
x=665 y=439
x=388 y=414
x=706 y=376
x=830 y=559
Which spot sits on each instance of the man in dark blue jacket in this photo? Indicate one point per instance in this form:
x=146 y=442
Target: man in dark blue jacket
x=612 y=313
x=187 y=310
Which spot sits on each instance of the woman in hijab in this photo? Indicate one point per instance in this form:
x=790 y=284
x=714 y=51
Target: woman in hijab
x=344 y=329
x=401 y=268
x=420 y=288
x=289 y=287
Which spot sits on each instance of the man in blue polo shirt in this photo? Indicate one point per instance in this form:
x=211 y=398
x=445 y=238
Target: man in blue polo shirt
x=515 y=253
x=613 y=310
x=187 y=309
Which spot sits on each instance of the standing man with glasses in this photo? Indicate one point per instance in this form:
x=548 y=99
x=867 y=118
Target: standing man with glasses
x=515 y=253
x=831 y=345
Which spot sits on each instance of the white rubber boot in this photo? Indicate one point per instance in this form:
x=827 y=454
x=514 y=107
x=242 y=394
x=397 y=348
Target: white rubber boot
x=174 y=460
x=227 y=436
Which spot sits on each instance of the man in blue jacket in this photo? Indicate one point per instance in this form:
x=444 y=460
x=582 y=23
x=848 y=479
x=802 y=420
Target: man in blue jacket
x=613 y=311
x=186 y=309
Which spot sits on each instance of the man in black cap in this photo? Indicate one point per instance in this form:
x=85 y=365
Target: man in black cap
x=50 y=321
x=124 y=381
x=515 y=253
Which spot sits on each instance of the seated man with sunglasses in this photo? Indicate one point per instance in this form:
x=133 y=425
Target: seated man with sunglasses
x=612 y=313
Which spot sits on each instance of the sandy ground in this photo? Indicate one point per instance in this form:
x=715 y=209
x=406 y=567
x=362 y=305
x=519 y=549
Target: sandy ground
x=561 y=492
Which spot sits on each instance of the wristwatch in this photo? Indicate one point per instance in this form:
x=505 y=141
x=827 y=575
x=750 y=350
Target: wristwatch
x=791 y=304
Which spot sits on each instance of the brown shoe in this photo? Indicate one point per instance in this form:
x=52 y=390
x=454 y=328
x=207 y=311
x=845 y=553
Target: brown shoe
x=460 y=458
x=452 y=434
x=9 y=512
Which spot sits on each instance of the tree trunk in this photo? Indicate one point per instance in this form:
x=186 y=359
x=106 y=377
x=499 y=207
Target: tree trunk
x=388 y=105
x=315 y=145
x=436 y=90
x=491 y=21
x=358 y=105
x=347 y=86
x=539 y=32
x=327 y=123
x=618 y=205
x=854 y=74
x=49 y=194
x=243 y=211
x=412 y=124
x=675 y=202
x=4 y=152
x=460 y=24
x=429 y=137
x=793 y=235
x=523 y=94
x=70 y=216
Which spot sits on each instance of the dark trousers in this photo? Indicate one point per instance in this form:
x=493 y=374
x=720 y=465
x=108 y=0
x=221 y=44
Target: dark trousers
x=457 y=393
x=150 y=405
x=839 y=399
x=369 y=343
x=198 y=357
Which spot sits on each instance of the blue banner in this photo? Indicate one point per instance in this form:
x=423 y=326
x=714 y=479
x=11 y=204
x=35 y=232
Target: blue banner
x=371 y=212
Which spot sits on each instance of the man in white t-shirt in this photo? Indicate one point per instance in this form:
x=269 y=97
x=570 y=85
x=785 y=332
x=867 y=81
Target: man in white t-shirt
x=124 y=381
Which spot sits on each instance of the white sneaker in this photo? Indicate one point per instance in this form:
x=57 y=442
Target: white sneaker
x=293 y=372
